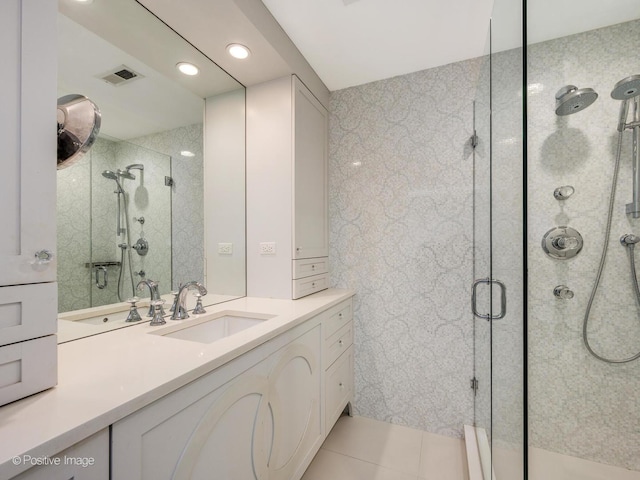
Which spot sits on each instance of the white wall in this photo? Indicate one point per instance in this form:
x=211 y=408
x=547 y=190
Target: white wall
x=224 y=197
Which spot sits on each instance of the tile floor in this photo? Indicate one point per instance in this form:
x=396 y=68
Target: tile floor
x=359 y=448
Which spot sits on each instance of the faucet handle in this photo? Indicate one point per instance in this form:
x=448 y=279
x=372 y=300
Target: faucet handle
x=175 y=300
x=199 y=308
x=133 y=316
x=158 y=313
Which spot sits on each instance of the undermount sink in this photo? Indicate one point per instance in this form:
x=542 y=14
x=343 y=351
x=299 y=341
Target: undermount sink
x=213 y=327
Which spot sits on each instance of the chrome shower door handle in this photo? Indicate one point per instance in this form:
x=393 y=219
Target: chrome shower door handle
x=503 y=299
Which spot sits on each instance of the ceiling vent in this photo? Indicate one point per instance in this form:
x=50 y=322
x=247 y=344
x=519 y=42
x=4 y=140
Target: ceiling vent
x=120 y=75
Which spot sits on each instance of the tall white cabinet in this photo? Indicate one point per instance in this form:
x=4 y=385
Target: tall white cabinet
x=28 y=293
x=287 y=213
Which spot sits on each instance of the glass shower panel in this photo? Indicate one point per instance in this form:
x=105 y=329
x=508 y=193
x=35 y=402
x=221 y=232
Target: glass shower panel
x=506 y=328
x=482 y=251
x=583 y=410
x=131 y=229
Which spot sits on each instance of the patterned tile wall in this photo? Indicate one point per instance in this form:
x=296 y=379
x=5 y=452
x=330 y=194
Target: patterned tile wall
x=401 y=197
x=579 y=405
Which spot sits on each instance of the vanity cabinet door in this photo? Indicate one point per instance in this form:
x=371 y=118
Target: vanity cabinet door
x=195 y=434
x=294 y=398
x=28 y=140
x=311 y=126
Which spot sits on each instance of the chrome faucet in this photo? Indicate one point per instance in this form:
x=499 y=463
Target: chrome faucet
x=155 y=295
x=180 y=312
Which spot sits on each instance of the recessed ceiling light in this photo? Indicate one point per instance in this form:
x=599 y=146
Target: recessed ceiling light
x=187 y=153
x=86 y=2
x=238 y=51
x=188 y=68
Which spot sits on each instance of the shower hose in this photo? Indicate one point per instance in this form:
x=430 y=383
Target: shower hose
x=603 y=257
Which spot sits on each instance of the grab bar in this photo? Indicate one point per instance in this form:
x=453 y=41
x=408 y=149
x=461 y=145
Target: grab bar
x=503 y=299
x=105 y=277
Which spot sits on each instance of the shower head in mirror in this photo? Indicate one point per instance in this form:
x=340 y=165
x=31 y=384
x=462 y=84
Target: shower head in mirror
x=571 y=99
x=78 y=127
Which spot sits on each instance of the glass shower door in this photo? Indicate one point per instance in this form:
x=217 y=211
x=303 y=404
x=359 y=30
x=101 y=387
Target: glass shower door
x=499 y=252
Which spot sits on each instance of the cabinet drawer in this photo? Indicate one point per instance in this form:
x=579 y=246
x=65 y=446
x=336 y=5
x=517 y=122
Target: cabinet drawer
x=310 y=266
x=309 y=285
x=338 y=388
x=338 y=343
x=28 y=311
x=27 y=367
x=338 y=320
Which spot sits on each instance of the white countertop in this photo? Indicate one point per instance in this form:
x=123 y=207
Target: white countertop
x=104 y=378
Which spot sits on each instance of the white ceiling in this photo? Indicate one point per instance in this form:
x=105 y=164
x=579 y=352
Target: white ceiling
x=94 y=39
x=351 y=42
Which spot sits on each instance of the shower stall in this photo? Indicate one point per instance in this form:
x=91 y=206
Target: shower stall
x=114 y=227
x=556 y=222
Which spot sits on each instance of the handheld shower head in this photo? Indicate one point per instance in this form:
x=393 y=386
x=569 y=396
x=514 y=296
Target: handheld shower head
x=626 y=88
x=571 y=99
x=113 y=176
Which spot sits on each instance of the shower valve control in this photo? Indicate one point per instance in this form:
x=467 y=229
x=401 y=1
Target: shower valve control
x=563 y=292
x=564 y=192
x=562 y=243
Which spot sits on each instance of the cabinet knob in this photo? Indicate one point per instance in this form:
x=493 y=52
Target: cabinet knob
x=340 y=315
x=42 y=257
x=313 y=267
x=340 y=342
x=313 y=285
x=341 y=385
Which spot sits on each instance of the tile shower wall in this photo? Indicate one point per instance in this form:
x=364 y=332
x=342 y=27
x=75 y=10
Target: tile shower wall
x=401 y=193
x=74 y=233
x=579 y=405
x=187 y=201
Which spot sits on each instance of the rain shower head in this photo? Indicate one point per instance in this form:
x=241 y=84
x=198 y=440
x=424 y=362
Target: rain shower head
x=571 y=99
x=626 y=88
x=126 y=174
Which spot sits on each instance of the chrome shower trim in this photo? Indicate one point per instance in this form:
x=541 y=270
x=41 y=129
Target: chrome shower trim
x=571 y=99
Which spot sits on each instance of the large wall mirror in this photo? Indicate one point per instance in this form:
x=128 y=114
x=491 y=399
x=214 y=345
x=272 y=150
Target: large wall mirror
x=160 y=195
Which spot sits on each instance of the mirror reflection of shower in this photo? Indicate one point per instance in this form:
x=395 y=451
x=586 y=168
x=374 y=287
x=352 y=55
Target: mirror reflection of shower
x=122 y=217
x=627 y=90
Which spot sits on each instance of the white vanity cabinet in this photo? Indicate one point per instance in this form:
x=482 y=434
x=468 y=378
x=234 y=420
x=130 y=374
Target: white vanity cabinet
x=337 y=327
x=287 y=155
x=251 y=419
x=87 y=460
x=28 y=295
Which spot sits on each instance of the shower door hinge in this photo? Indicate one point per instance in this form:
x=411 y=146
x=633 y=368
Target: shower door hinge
x=474 y=140
x=168 y=181
x=474 y=385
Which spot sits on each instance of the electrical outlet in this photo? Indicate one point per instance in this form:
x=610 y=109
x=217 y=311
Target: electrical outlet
x=225 y=248
x=267 y=248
